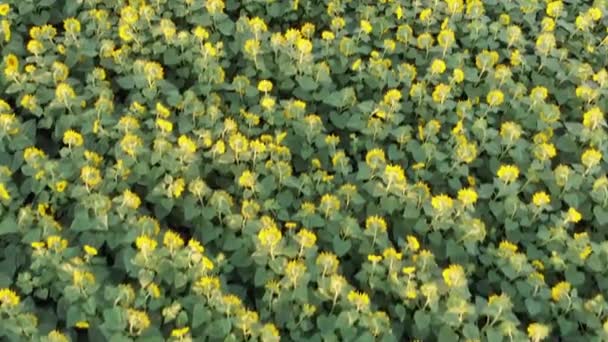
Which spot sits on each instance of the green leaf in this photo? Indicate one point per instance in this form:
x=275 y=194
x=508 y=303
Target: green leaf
x=241 y=258
x=125 y=82
x=73 y=315
x=6 y=280
x=274 y=10
x=401 y=311
x=566 y=326
x=326 y=324
x=191 y=209
x=226 y=27
x=389 y=204
x=447 y=335
x=493 y=335
x=171 y=57
x=334 y=99
x=145 y=277
x=286 y=198
x=82 y=222
x=180 y=280
x=8 y=225
x=341 y=247
x=200 y=314
x=70 y=8
x=595 y=263
x=114 y=319
x=573 y=276
x=411 y=211
x=485 y=191
x=422 y=320
x=366 y=337
x=339 y=120
x=601 y=215
x=43 y=17
x=261 y=277
x=534 y=307
x=232 y=243
x=307 y=83
x=71 y=293
x=166 y=270
x=566 y=143
x=219 y=328
x=470 y=331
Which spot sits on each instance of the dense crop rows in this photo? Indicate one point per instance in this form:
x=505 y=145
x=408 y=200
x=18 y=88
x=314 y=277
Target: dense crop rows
x=303 y=170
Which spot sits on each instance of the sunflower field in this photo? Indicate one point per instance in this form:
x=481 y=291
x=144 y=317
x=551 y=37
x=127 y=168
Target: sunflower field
x=303 y=170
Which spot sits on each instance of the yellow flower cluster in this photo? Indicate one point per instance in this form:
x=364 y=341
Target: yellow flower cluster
x=8 y=298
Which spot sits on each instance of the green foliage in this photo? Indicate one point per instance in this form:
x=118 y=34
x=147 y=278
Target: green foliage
x=300 y=170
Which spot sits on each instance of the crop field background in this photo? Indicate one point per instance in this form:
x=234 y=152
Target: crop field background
x=303 y=170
